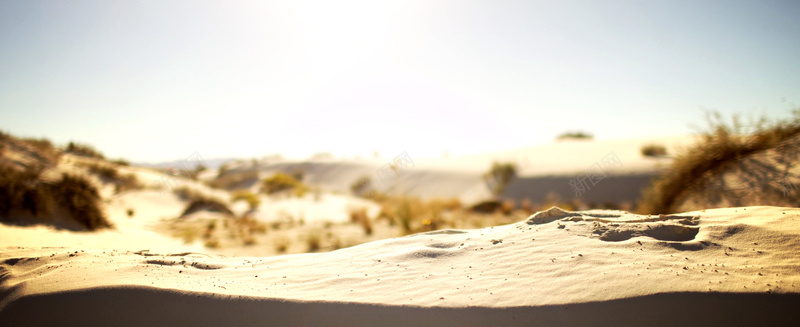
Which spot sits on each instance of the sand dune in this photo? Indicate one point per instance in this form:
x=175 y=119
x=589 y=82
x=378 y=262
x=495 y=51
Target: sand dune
x=721 y=266
x=542 y=170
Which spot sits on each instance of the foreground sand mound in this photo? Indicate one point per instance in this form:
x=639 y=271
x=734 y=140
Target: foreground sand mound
x=735 y=266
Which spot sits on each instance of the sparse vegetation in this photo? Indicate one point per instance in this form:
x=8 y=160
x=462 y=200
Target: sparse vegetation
x=83 y=150
x=252 y=200
x=105 y=171
x=110 y=174
x=721 y=145
x=359 y=216
x=654 y=150
x=314 y=241
x=283 y=182
x=361 y=186
x=281 y=244
x=577 y=135
x=506 y=207
x=499 y=176
x=121 y=162
x=26 y=192
x=44 y=148
x=22 y=190
x=188 y=193
x=234 y=178
x=207 y=204
x=81 y=200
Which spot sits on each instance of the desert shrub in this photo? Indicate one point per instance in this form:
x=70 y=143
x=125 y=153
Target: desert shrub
x=361 y=186
x=81 y=200
x=720 y=146
x=654 y=150
x=208 y=204
x=110 y=173
x=212 y=243
x=228 y=178
x=83 y=150
x=44 y=148
x=127 y=182
x=187 y=193
x=281 y=244
x=121 y=162
x=506 y=207
x=21 y=190
x=359 y=216
x=575 y=135
x=107 y=172
x=252 y=200
x=314 y=241
x=499 y=175
x=283 y=182
x=412 y=214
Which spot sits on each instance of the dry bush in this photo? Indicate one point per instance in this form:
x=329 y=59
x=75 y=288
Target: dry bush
x=506 y=207
x=127 y=182
x=24 y=191
x=283 y=182
x=314 y=241
x=654 y=150
x=44 y=149
x=207 y=204
x=721 y=145
x=499 y=175
x=83 y=150
x=212 y=243
x=188 y=193
x=81 y=200
x=577 y=135
x=228 y=178
x=110 y=173
x=359 y=216
x=121 y=162
x=361 y=186
x=281 y=244
x=412 y=214
x=107 y=172
x=252 y=200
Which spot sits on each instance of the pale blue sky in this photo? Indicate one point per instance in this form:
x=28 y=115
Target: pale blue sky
x=158 y=80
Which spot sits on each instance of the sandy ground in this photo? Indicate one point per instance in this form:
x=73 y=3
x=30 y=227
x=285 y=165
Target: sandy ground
x=724 y=266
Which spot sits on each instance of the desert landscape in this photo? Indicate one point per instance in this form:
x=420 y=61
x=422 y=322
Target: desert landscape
x=320 y=242
x=399 y=163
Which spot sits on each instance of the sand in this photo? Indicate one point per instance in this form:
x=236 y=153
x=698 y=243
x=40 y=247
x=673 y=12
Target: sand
x=734 y=266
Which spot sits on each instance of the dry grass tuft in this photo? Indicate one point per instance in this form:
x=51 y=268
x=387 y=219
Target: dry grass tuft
x=654 y=150
x=721 y=145
x=207 y=204
x=359 y=216
x=83 y=150
x=499 y=175
x=81 y=200
x=281 y=182
x=577 y=135
x=252 y=200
